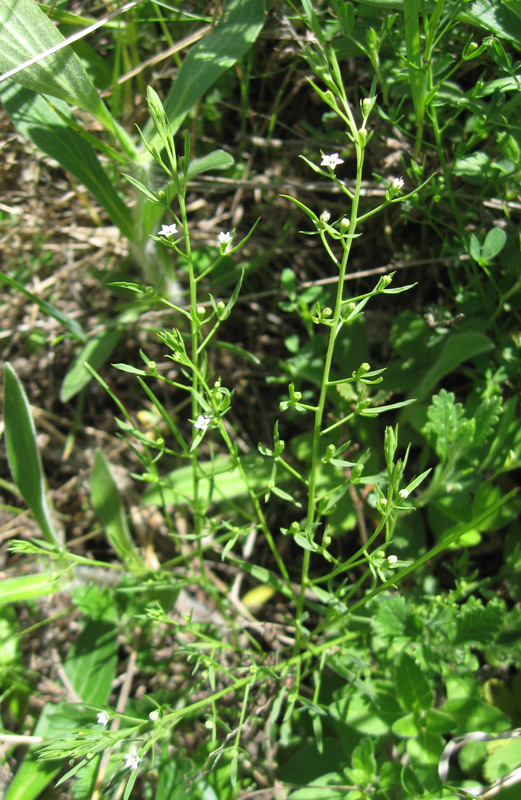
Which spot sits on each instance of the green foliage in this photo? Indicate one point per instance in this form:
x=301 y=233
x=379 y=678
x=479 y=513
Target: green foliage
x=323 y=605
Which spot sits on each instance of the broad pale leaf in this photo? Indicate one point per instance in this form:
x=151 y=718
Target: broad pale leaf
x=25 y=32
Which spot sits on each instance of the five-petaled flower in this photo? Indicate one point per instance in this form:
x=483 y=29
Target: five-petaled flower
x=202 y=422
x=332 y=161
x=103 y=718
x=168 y=230
x=397 y=183
x=132 y=760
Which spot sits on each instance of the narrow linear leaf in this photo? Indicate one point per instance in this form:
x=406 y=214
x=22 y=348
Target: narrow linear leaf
x=23 y=455
x=70 y=324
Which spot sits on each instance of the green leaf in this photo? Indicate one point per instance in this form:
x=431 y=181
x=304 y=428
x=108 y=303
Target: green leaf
x=477 y=623
x=238 y=28
x=23 y=455
x=457 y=349
x=438 y=722
x=406 y=726
x=91 y=668
x=412 y=687
x=92 y=660
x=501 y=19
x=37 y=120
x=494 y=243
x=363 y=759
x=448 y=426
x=219 y=481
x=504 y=756
x=486 y=417
x=472 y=714
x=28 y=587
x=218 y=159
x=95 y=352
x=68 y=323
x=107 y=504
x=33 y=776
x=26 y=32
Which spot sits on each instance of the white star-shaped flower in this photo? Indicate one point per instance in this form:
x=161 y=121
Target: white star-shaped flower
x=132 y=760
x=332 y=161
x=103 y=718
x=202 y=422
x=224 y=238
x=168 y=230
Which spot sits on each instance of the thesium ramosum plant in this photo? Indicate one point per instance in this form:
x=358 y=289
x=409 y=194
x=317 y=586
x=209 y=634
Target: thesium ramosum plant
x=305 y=621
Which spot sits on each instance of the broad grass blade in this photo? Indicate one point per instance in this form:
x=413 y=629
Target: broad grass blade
x=36 y=119
x=237 y=30
x=25 y=32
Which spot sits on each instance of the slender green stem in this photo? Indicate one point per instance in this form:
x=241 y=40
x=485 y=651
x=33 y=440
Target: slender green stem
x=319 y=413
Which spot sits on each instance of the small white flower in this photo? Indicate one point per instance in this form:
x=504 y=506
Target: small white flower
x=103 y=718
x=132 y=760
x=154 y=716
x=397 y=184
x=331 y=161
x=168 y=230
x=209 y=724
x=404 y=494
x=202 y=422
x=224 y=238
x=392 y=560
x=325 y=216
x=366 y=102
x=383 y=501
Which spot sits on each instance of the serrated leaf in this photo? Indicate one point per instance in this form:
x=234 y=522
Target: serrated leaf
x=486 y=417
x=447 y=425
x=438 y=722
x=478 y=623
x=504 y=756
